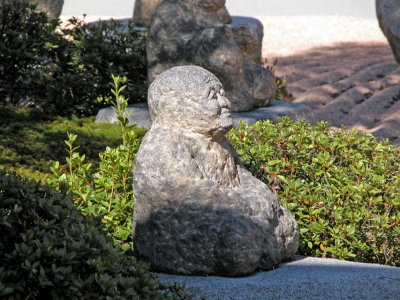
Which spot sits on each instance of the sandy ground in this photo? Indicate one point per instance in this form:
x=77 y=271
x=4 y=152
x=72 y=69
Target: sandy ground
x=342 y=67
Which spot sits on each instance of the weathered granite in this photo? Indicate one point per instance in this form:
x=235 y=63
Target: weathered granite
x=144 y=10
x=249 y=33
x=197 y=209
x=388 y=12
x=139 y=114
x=189 y=32
x=52 y=7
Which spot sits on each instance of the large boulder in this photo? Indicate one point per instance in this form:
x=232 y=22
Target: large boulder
x=249 y=33
x=52 y=7
x=388 y=12
x=144 y=10
x=197 y=209
x=190 y=32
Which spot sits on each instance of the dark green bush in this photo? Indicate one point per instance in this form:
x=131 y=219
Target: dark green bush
x=64 y=71
x=49 y=250
x=99 y=50
x=342 y=186
x=26 y=52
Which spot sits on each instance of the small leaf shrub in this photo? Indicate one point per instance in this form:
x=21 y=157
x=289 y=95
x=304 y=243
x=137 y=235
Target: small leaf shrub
x=64 y=71
x=107 y=190
x=49 y=250
x=342 y=186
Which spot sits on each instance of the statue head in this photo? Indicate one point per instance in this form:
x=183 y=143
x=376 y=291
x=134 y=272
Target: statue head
x=190 y=97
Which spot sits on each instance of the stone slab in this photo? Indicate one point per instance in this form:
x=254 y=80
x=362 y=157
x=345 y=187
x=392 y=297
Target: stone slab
x=139 y=113
x=304 y=278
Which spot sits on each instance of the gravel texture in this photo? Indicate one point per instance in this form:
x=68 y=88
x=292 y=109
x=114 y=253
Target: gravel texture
x=342 y=67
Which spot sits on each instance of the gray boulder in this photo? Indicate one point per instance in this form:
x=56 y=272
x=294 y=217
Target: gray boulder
x=52 y=7
x=249 y=33
x=190 y=32
x=137 y=114
x=388 y=12
x=144 y=10
x=198 y=210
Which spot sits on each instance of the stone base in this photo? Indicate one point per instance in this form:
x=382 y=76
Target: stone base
x=139 y=113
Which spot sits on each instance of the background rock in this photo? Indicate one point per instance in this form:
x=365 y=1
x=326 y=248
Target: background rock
x=52 y=7
x=136 y=113
x=185 y=33
x=388 y=12
x=144 y=10
x=249 y=33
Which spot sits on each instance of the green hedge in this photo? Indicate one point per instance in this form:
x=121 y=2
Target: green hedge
x=342 y=186
x=49 y=250
x=64 y=71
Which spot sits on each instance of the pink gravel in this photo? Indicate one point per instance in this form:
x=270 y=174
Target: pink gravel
x=340 y=66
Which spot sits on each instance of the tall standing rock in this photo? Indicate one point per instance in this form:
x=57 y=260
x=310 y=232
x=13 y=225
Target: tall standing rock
x=190 y=32
x=197 y=209
x=52 y=7
x=144 y=10
x=388 y=12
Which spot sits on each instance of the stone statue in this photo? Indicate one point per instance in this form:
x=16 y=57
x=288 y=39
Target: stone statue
x=198 y=210
x=190 y=32
x=388 y=12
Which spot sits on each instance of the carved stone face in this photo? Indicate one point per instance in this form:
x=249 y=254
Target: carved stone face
x=190 y=97
x=215 y=108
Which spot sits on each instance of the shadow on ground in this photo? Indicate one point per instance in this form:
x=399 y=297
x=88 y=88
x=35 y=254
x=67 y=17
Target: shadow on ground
x=352 y=84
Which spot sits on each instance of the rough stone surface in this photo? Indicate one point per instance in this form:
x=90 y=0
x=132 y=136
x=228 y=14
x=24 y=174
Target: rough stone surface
x=136 y=113
x=190 y=32
x=198 y=210
x=144 y=10
x=388 y=12
x=139 y=113
x=249 y=33
x=52 y=7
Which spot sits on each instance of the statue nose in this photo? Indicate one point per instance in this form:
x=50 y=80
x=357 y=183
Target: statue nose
x=224 y=102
